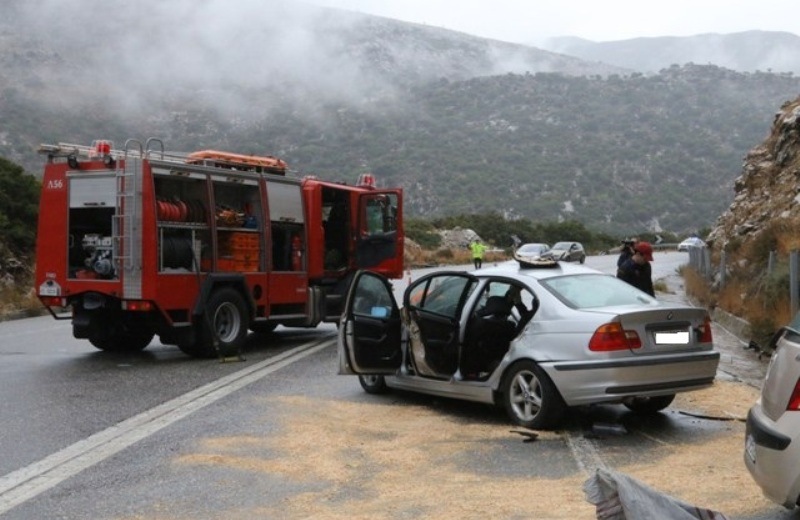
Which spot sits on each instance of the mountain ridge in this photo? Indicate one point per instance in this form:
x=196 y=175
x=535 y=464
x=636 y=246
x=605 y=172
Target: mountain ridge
x=422 y=108
x=746 y=51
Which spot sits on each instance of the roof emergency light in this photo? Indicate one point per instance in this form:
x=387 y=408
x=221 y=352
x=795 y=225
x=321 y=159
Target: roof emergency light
x=366 y=180
x=101 y=148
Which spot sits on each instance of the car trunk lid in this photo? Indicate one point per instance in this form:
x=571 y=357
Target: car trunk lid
x=669 y=329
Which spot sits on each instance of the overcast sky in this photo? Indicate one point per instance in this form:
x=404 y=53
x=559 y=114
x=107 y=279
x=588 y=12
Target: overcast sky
x=533 y=21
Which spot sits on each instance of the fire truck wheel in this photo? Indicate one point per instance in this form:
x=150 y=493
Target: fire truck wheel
x=226 y=321
x=125 y=339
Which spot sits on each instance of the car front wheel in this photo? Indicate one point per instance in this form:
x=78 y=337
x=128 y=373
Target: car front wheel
x=373 y=384
x=530 y=398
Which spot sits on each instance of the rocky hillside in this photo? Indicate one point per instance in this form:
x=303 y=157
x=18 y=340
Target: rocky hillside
x=763 y=218
x=767 y=193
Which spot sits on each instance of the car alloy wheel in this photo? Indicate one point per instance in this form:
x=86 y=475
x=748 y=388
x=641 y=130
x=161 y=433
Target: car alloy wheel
x=531 y=399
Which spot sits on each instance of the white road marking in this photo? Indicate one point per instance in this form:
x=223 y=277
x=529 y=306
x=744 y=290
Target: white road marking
x=585 y=453
x=25 y=483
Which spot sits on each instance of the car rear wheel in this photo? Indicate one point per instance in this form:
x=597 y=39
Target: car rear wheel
x=647 y=405
x=530 y=398
x=373 y=384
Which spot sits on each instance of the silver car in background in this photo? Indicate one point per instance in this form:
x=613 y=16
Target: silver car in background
x=772 y=438
x=567 y=252
x=534 y=341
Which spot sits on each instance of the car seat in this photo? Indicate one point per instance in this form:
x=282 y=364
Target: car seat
x=488 y=336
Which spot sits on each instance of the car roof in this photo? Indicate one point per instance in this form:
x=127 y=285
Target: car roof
x=513 y=269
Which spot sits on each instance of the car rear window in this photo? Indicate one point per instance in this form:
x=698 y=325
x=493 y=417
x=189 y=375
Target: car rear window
x=587 y=291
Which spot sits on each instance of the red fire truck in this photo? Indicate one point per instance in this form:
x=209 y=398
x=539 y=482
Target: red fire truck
x=201 y=248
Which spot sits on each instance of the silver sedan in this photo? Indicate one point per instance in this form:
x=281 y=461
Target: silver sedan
x=772 y=439
x=533 y=340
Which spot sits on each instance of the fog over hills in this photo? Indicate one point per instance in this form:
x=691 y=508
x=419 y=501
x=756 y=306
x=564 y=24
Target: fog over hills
x=147 y=48
x=462 y=123
x=748 y=51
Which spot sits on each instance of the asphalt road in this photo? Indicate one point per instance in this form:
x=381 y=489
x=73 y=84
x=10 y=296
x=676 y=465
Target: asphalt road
x=88 y=434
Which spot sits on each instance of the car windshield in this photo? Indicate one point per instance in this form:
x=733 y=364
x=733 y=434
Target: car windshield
x=532 y=248
x=587 y=291
x=562 y=245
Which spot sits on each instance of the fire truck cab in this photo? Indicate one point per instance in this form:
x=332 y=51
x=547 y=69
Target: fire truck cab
x=200 y=248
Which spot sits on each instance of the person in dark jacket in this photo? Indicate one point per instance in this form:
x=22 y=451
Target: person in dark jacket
x=637 y=270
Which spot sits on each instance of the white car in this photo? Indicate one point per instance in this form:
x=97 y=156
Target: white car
x=691 y=242
x=772 y=439
x=533 y=340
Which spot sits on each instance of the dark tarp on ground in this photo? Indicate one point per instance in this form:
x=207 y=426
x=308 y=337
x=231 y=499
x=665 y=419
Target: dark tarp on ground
x=620 y=497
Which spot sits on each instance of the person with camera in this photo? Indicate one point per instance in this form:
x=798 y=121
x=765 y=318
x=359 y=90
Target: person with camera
x=626 y=251
x=636 y=270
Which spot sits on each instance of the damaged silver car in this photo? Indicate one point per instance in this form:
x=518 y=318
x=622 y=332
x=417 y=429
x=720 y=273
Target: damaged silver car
x=534 y=341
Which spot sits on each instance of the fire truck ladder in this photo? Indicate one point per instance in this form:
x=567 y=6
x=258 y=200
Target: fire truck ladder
x=127 y=229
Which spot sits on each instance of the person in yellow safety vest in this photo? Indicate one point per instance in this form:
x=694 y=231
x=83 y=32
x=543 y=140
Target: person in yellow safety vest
x=478 y=248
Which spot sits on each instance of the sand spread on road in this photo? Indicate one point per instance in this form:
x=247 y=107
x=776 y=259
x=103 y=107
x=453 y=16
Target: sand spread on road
x=395 y=460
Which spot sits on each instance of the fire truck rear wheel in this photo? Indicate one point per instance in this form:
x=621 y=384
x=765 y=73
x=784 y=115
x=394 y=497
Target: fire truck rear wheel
x=127 y=337
x=226 y=321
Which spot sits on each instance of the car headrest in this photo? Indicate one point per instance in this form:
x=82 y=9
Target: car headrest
x=497 y=306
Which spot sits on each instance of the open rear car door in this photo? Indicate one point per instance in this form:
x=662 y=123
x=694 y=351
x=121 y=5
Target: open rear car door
x=370 y=331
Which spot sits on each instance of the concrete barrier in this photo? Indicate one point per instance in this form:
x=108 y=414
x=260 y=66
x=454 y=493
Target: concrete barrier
x=734 y=324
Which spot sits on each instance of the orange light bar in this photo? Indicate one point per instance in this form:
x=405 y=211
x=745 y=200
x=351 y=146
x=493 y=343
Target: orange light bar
x=236 y=159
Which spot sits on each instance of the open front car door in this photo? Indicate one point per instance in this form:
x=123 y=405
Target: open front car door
x=370 y=332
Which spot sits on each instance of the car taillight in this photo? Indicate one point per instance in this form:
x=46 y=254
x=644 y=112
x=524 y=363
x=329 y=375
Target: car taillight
x=705 y=331
x=794 y=400
x=612 y=336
